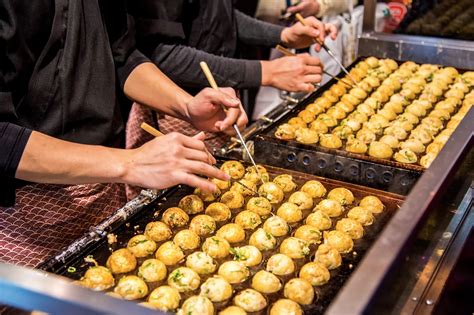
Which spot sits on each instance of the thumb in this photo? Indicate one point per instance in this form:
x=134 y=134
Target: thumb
x=200 y=136
x=296 y=8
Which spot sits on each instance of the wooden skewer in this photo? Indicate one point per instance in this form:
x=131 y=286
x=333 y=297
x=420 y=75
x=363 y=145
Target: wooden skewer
x=287 y=52
x=151 y=130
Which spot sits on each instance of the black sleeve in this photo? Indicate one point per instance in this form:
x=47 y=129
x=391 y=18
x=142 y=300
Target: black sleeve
x=181 y=64
x=121 y=32
x=254 y=32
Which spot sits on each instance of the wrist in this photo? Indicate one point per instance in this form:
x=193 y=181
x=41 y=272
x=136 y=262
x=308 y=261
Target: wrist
x=284 y=36
x=122 y=166
x=183 y=104
x=266 y=72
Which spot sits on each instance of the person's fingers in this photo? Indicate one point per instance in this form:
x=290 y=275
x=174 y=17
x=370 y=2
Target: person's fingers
x=316 y=25
x=196 y=181
x=296 y=8
x=201 y=136
x=220 y=98
x=197 y=155
x=232 y=115
x=305 y=87
x=228 y=91
x=206 y=170
x=243 y=120
x=332 y=30
x=317 y=47
x=310 y=60
x=308 y=70
x=312 y=78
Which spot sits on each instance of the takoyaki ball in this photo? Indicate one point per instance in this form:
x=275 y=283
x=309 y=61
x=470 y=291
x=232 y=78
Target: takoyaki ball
x=294 y=248
x=330 y=207
x=409 y=94
x=307 y=136
x=365 y=85
x=233 y=310
x=216 y=247
x=121 y=261
x=366 y=109
x=319 y=126
x=197 y=305
x=141 y=246
x=434 y=89
x=393 y=83
x=339 y=240
x=256 y=177
x=358 y=73
x=460 y=85
x=388 y=113
x=405 y=156
x=290 y=212
x=447 y=106
x=324 y=102
x=358 y=93
x=187 y=239
x=165 y=298
x=169 y=253
x=232 y=233
x=380 y=96
x=276 y=226
x=309 y=234
x=303 y=200
x=376 y=127
x=330 y=96
x=428 y=97
x=201 y=262
x=329 y=121
x=351 y=99
x=221 y=184
x=393 y=107
x=413 y=119
x=248 y=220
x=97 y=278
x=203 y=225
x=434 y=148
x=247 y=188
x=391 y=140
x=351 y=227
x=380 y=150
x=216 y=289
x=315 y=273
x=299 y=290
x=343 y=132
x=422 y=134
x=218 y=211
x=410 y=65
x=372 y=62
x=158 y=231
x=285 y=182
x=361 y=215
x=414 y=145
x=351 y=123
x=297 y=122
x=391 y=64
x=342 y=195
x=338 y=90
x=442 y=138
x=358 y=116
x=206 y=196
x=280 y=265
x=372 y=203
x=263 y=240
x=363 y=65
x=266 y=282
x=427 y=159
x=184 y=279
x=175 y=217
x=330 y=141
x=328 y=256
x=386 y=90
x=380 y=120
x=286 y=307
x=397 y=131
x=355 y=146
x=248 y=255
x=233 y=200
x=441 y=114
x=235 y=169
x=307 y=116
x=250 y=300
x=314 y=189
x=285 y=132
x=260 y=206
x=234 y=272
x=365 y=135
x=272 y=192
x=315 y=109
x=336 y=112
x=370 y=105
x=131 y=288
x=319 y=220
x=152 y=270
x=416 y=110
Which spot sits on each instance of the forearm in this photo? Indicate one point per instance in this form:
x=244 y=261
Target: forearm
x=181 y=64
x=328 y=7
x=50 y=160
x=147 y=85
x=254 y=32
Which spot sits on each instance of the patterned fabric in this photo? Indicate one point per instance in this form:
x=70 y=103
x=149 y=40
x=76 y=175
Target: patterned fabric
x=46 y=218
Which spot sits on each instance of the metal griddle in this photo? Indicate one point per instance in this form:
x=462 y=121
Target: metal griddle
x=128 y=227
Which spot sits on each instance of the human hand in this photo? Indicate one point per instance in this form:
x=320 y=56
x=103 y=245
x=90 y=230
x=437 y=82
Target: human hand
x=300 y=36
x=205 y=111
x=305 y=8
x=170 y=160
x=293 y=74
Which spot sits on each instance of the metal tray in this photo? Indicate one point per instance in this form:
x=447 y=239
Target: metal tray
x=100 y=249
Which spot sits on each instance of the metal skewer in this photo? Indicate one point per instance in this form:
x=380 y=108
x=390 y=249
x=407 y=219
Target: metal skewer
x=326 y=48
x=287 y=52
x=212 y=82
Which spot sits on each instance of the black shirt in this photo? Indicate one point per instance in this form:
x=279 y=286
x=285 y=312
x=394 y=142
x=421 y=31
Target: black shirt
x=61 y=63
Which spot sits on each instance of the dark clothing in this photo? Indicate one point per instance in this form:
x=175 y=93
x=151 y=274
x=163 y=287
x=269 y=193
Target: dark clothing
x=61 y=62
x=177 y=35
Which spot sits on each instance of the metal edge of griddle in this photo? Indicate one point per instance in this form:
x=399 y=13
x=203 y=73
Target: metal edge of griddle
x=99 y=231
x=381 y=260
x=31 y=289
